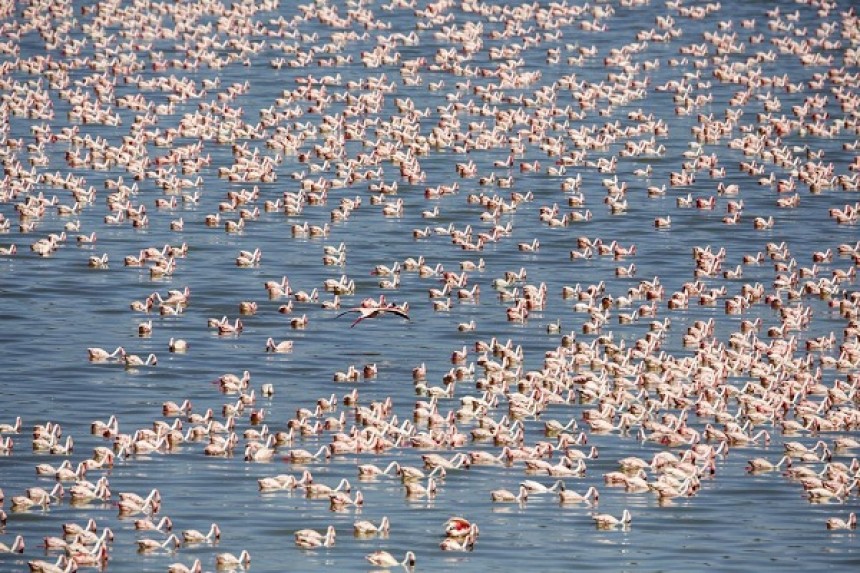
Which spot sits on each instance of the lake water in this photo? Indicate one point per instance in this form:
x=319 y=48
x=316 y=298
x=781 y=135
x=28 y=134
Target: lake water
x=53 y=308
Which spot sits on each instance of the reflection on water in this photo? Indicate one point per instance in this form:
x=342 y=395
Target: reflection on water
x=53 y=308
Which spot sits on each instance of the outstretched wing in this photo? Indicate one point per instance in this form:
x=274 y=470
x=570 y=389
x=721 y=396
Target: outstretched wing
x=348 y=311
x=399 y=312
x=362 y=311
x=374 y=313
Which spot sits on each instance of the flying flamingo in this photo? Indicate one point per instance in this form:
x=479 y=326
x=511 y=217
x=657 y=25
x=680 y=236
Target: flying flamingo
x=375 y=312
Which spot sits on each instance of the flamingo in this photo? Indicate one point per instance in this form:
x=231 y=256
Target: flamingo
x=385 y=559
x=763 y=464
x=229 y=560
x=432 y=461
x=134 y=361
x=570 y=496
x=462 y=543
x=195 y=536
x=375 y=312
x=45 y=437
x=37 y=493
x=229 y=382
x=97 y=354
x=86 y=556
x=299 y=456
x=98 y=262
x=310 y=538
x=826 y=492
x=503 y=495
x=11 y=428
x=411 y=473
x=537 y=487
x=146 y=524
x=283 y=346
x=149 y=545
x=16 y=547
x=132 y=503
x=339 y=500
x=66 y=473
x=98 y=427
x=794 y=448
x=227 y=328
x=321 y=489
x=663 y=222
x=845 y=443
x=278 y=482
x=566 y=468
x=299 y=322
x=171 y=408
x=416 y=489
x=76 y=528
x=457 y=527
x=605 y=520
x=196 y=567
x=365 y=527
x=62 y=449
x=55 y=543
x=553 y=427
x=62 y=565
x=84 y=491
x=479 y=457
x=837 y=523
x=257 y=452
